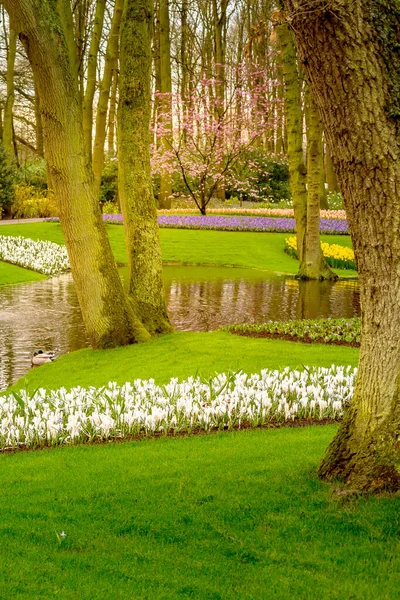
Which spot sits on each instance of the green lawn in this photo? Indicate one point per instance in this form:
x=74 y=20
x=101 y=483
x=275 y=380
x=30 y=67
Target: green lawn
x=180 y=355
x=230 y=516
x=224 y=248
x=14 y=274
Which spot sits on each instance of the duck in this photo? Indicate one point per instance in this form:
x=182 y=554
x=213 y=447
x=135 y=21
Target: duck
x=40 y=357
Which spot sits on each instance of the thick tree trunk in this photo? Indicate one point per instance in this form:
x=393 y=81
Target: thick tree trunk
x=331 y=178
x=38 y=124
x=112 y=113
x=8 y=137
x=350 y=53
x=45 y=32
x=145 y=283
x=110 y=70
x=91 y=75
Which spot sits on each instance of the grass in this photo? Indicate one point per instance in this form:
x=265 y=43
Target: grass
x=221 y=248
x=181 y=355
x=238 y=516
x=13 y=274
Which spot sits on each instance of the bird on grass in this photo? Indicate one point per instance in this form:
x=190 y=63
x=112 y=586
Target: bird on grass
x=40 y=357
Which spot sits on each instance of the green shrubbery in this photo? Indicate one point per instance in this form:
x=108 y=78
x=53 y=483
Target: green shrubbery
x=7 y=183
x=30 y=202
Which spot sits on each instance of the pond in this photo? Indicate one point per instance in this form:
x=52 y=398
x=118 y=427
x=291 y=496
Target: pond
x=46 y=314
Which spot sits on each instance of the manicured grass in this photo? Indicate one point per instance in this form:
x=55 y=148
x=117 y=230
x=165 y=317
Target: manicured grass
x=231 y=516
x=181 y=355
x=224 y=248
x=14 y=274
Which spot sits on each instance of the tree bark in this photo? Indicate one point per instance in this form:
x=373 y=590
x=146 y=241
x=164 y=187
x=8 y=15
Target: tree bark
x=91 y=75
x=8 y=136
x=350 y=54
x=110 y=67
x=165 y=104
x=46 y=33
x=313 y=265
x=145 y=281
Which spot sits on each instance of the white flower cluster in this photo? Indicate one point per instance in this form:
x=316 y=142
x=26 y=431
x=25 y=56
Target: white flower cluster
x=227 y=401
x=44 y=257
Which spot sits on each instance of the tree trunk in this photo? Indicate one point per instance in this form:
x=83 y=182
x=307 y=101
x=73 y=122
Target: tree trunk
x=112 y=114
x=350 y=53
x=145 y=282
x=91 y=75
x=8 y=137
x=331 y=178
x=165 y=104
x=313 y=265
x=38 y=124
x=294 y=122
x=110 y=67
x=46 y=33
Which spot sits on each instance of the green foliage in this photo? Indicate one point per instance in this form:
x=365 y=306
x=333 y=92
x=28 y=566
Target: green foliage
x=335 y=201
x=110 y=208
x=7 y=181
x=34 y=173
x=109 y=181
x=31 y=202
x=260 y=177
x=324 y=331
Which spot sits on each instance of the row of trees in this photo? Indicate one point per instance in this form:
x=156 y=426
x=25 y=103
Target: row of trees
x=350 y=56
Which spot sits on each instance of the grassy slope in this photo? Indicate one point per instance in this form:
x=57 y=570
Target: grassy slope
x=244 y=249
x=180 y=355
x=14 y=274
x=237 y=516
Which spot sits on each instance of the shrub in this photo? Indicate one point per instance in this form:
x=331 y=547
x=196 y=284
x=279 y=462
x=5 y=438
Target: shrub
x=7 y=182
x=34 y=173
x=30 y=203
x=110 y=208
x=335 y=201
x=109 y=181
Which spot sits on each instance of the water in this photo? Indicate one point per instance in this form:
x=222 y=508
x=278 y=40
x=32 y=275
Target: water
x=46 y=315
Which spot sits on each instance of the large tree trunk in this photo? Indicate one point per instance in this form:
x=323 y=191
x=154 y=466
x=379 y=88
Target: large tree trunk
x=350 y=53
x=145 y=283
x=47 y=34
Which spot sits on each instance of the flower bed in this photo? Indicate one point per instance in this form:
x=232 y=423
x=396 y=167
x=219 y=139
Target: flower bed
x=260 y=224
x=234 y=223
x=44 y=257
x=326 y=331
x=262 y=212
x=339 y=257
x=227 y=401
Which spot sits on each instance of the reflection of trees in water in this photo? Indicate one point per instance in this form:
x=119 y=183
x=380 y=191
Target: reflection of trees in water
x=46 y=314
x=207 y=305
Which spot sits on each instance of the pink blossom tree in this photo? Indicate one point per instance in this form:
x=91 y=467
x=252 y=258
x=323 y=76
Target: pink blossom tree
x=208 y=140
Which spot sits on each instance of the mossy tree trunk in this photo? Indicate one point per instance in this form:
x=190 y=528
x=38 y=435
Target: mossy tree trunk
x=313 y=265
x=165 y=107
x=351 y=56
x=306 y=204
x=294 y=123
x=145 y=282
x=48 y=35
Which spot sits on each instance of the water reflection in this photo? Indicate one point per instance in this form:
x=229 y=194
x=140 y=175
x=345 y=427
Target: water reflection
x=46 y=315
